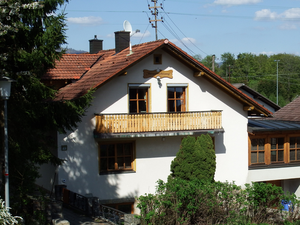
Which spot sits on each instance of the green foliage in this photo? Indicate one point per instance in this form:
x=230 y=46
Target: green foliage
x=200 y=202
x=260 y=73
x=32 y=32
x=195 y=160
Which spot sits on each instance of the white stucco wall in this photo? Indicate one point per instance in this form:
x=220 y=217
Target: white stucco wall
x=153 y=155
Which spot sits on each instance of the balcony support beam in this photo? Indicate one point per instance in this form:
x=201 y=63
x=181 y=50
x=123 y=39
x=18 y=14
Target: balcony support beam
x=156 y=134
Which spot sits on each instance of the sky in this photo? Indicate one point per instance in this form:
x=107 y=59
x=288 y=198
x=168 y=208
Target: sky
x=199 y=27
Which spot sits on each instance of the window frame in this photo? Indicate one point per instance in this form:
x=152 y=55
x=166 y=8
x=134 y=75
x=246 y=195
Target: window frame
x=116 y=169
x=157 y=59
x=268 y=149
x=277 y=149
x=295 y=149
x=185 y=91
x=116 y=205
x=138 y=99
x=257 y=151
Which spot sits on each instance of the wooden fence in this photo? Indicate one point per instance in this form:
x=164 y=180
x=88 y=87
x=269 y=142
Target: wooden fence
x=155 y=122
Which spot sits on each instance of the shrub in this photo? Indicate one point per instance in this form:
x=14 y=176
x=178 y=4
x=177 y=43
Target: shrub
x=202 y=202
x=195 y=160
x=6 y=217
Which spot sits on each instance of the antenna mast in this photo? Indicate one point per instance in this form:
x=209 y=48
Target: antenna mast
x=155 y=14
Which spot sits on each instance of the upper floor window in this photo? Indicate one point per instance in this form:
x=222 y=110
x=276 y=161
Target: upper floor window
x=176 y=98
x=267 y=149
x=157 y=59
x=277 y=149
x=294 y=148
x=257 y=150
x=138 y=98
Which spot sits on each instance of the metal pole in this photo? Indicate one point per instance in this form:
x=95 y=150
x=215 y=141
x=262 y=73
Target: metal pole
x=277 y=83
x=6 y=157
x=155 y=12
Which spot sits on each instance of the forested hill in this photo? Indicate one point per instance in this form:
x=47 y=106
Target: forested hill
x=260 y=73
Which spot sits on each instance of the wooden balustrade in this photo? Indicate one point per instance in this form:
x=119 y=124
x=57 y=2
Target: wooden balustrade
x=155 y=122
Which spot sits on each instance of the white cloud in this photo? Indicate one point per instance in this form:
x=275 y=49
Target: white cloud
x=266 y=14
x=140 y=35
x=188 y=40
x=288 y=26
x=236 y=2
x=87 y=21
x=293 y=13
x=135 y=36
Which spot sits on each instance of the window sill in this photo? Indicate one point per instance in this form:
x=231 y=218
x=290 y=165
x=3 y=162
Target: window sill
x=116 y=172
x=273 y=165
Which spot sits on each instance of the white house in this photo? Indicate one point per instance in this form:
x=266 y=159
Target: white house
x=147 y=99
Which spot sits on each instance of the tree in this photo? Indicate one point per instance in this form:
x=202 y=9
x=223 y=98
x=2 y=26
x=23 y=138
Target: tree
x=30 y=33
x=195 y=160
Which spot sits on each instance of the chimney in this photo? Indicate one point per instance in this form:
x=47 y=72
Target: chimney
x=122 y=40
x=95 y=45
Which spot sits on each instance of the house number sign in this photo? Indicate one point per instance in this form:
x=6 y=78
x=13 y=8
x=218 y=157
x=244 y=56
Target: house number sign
x=158 y=73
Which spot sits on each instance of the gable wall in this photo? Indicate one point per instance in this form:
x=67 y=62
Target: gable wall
x=153 y=155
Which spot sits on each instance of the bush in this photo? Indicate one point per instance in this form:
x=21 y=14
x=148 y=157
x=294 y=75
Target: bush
x=202 y=202
x=6 y=217
x=195 y=160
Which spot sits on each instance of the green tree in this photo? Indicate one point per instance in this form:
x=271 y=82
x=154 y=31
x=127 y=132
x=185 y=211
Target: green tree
x=195 y=160
x=228 y=61
x=31 y=31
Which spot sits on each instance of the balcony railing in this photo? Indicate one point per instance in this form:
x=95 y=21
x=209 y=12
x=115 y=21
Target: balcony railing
x=158 y=122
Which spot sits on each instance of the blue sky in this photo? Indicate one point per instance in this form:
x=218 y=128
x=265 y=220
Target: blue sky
x=203 y=27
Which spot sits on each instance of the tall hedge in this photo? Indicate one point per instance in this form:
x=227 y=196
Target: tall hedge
x=195 y=160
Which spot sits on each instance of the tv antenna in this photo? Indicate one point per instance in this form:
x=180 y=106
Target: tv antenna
x=127 y=27
x=155 y=14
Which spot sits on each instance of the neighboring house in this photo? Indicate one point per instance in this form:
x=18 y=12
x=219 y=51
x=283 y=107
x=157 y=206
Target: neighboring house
x=274 y=148
x=147 y=99
x=271 y=106
x=70 y=69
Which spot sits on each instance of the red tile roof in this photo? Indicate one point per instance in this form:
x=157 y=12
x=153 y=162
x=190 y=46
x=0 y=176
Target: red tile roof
x=290 y=112
x=71 y=66
x=111 y=64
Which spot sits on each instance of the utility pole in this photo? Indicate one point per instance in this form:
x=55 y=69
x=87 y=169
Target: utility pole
x=229 y=73
x=213 y=63
x=277 y=82
x=155 y=14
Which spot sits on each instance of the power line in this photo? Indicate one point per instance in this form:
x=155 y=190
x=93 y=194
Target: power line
x=183 y=33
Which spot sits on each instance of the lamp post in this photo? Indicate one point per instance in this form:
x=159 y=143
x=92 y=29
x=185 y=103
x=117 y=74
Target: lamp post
x=277 y=82
x=5 y=85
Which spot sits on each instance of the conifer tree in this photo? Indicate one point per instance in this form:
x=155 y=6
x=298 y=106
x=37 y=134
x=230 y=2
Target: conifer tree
x=31 y=32
x=195 y=160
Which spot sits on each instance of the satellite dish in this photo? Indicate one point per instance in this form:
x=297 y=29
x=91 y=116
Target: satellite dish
x=127 y=26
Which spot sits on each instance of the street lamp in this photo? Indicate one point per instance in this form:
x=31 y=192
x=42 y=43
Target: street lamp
x=5 y=84
x=277 y=82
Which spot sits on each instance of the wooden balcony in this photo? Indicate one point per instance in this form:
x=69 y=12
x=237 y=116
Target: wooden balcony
x=158 y=122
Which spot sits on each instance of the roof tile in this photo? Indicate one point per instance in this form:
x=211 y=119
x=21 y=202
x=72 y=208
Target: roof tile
x=111 y=64
x=290 y=112
x=71 y=66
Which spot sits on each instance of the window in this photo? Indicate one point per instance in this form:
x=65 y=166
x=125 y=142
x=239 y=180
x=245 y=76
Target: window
x=138 y=98
x=123 y=207
x=176 y=99
x=258 y=150
x=277 y=149
x=157 y=59
x=116 y=157
x=294 y=148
